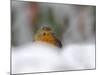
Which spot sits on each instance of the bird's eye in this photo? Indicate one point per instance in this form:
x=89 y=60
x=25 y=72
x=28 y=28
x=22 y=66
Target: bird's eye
x=44 y=34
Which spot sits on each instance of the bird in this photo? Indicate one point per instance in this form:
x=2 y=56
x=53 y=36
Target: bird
x=47 y=35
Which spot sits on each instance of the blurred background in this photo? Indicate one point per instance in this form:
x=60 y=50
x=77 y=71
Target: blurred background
x=71 y=23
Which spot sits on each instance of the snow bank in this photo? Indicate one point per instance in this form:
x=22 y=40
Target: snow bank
x=41 y=57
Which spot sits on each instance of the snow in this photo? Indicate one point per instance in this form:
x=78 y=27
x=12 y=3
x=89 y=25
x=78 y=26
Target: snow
x=42 y=57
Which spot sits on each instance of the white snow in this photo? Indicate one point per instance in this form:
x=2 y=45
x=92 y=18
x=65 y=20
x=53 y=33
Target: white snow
x=41 y=57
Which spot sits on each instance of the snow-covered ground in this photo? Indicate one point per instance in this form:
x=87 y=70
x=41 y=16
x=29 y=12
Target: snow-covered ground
x=41 y=57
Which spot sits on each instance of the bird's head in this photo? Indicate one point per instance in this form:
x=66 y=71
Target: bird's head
x=43 y=32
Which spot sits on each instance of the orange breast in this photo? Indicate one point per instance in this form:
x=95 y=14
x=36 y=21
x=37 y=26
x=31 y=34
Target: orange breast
x=48 y=39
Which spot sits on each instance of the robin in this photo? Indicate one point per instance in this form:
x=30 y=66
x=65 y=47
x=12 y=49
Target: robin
x=46 y=34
